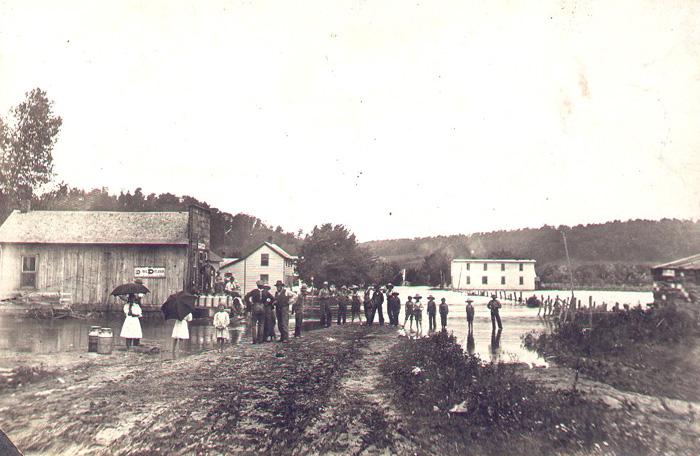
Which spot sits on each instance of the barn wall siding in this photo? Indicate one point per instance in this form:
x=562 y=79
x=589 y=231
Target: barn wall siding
x=90 y=272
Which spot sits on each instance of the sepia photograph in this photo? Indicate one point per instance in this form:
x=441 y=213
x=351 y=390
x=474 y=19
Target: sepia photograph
x=352 y=227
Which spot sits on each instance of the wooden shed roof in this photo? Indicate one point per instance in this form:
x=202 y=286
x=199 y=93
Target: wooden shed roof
x=691 y=262
x=95 y=227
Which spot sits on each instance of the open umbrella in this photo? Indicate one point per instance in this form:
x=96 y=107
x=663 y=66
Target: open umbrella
x=178 y=305
x=130 y=288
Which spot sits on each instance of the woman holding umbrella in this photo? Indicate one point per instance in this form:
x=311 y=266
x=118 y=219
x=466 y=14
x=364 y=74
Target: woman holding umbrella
x=179 y=306
x=131 y=330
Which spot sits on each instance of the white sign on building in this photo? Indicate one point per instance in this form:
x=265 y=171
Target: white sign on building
x=149 y=272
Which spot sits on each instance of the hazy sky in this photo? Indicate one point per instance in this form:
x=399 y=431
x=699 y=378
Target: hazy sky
x=397 y=119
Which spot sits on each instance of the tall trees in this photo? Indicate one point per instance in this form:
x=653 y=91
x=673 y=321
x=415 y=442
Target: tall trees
x=330 y=252
x=27 y=138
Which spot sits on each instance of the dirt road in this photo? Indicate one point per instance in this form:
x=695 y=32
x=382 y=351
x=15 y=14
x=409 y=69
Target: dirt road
x=316 y=394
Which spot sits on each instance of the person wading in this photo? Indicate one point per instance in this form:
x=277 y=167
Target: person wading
x=131 y=330
x=389 y=302
x=494 y=305
x=368 y=303
x=221 y=322
x=432 y=311
x=283 y=299
x=324 y=301
x=343 y=300
x=444 y=310
x=378 y=305
x=418 y=314
x=298 y=310
x=470 y=316
x=255 y=304
x=396 y=304
x=408 y=310
x=356 y=304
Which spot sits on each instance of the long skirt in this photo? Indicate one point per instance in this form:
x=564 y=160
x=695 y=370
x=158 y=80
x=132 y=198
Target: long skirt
x=131 y=328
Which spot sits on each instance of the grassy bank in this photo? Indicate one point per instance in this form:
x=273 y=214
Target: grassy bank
x=456 y=404
x=653 y=351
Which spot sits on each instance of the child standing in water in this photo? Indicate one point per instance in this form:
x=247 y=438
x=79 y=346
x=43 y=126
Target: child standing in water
x=181 y=331
x=131 y=330
x=418 y=314
x=221 y=322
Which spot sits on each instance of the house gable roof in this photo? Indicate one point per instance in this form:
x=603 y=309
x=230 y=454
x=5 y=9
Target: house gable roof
x=95 y=227
x=274 y=247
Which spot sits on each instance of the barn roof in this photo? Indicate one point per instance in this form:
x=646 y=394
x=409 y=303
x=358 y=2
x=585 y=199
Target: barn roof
x=95 y=227
x=691 y=262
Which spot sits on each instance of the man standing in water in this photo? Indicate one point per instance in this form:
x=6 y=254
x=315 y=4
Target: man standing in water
x=444 y=310
x=377 y=305
x=283 y=298
x=298 y=310
x=342 y=305
x=356 y=304
x=470 y=316
x=408 y=314
x=324 y=300
x=432 y=312
x=255 y=305
x=494 y=305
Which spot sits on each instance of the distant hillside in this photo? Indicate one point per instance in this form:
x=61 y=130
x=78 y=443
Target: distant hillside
x=593 y=248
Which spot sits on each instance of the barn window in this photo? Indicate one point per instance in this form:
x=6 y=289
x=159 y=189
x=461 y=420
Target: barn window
x=522 y=280
x=484 y=280
x=503 y=280
x=265 y=259
x=28 y=276
x=265 y=278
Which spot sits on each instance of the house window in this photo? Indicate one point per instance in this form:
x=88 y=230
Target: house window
x=468 y=265
x=503 y=266
x=484 y=280
x=522 y=280
x=28 y=276
x=521 y=267
x=503 y=280
x=486 y=266
x=265 y=259
x=265 y=278
x=469 y=280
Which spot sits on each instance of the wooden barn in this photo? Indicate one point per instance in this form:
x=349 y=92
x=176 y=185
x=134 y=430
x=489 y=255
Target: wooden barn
x=82 y=255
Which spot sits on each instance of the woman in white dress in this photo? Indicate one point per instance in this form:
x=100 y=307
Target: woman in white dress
x=131 y=329
x=181 y=331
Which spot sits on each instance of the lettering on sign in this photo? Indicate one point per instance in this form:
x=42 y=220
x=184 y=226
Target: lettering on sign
x=151 y=272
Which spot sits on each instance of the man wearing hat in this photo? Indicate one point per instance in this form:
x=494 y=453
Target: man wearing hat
x=408 y=311
x=432 y=311
x=255 y=308
x=393 y=304
x=343 y=300
x=389 y=302
x=470 y=315
x=444 y=310
x=494 y=305
x=270 y=317
x=418 y=313
x=298 y=309
x=324 y=300
x=283 y=298
x=378 y=305
x=356 y=304
x=368 y=303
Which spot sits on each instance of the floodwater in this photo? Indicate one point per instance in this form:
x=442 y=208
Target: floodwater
x=517 y=320
x=46 y=336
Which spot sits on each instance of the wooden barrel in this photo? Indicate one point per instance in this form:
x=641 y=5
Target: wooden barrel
x=104 y=341
x=93 y=334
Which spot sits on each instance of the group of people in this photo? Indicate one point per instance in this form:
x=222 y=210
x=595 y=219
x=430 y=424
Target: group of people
x=265 y=309
x=131 y=329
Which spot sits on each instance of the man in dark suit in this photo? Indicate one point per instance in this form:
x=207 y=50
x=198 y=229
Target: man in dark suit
x=255 y=301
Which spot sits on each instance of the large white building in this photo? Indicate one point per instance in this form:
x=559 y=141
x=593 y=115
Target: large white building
x=490 y=274
x=268 y=262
